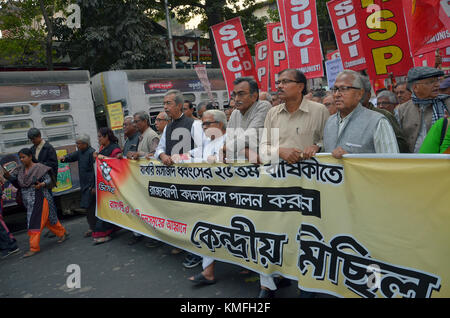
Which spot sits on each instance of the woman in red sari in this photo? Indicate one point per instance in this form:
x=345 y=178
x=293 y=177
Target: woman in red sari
x=108 y=149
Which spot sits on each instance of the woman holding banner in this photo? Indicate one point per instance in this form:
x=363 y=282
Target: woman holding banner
x=109 y=148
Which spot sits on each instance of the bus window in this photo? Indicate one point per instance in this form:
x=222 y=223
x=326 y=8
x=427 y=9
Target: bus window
x=156 y=100
x=57 y=107
x=14 y=110
x=59 y=128
x=205 y=97
x=225 y=96
x=15 y=133
x=189 y=97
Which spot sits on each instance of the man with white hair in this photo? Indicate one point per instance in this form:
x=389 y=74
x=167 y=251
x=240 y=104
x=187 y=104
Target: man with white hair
x=354 y=128
x=148 y=140
x=387 y=100
x=86 y=170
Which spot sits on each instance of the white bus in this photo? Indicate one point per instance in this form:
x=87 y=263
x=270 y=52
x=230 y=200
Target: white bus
x=143 y=90
x=60 y=105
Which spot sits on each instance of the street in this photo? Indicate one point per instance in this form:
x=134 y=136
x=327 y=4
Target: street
x=115 y=269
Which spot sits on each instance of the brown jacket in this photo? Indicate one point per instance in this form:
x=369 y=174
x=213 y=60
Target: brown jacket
x=408 y=115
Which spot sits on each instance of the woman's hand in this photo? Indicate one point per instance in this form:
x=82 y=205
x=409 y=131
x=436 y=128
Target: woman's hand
x=39 y=185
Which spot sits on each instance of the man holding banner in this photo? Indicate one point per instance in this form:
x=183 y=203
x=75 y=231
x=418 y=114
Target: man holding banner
x=300 y=123
x=354 y=128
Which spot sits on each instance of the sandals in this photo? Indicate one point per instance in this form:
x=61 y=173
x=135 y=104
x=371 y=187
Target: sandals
x=102 y=240
x=63 y=238
x=87 y=233
x=199 y=279
x=29 y=254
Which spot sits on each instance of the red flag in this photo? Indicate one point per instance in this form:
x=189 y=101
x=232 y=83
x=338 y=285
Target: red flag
x=262 y=64
x=426 y=30
x=228 y=36
x=277 y=52
x=345 y=26
x=333 y=55
x=383 y=30
x=301 y=31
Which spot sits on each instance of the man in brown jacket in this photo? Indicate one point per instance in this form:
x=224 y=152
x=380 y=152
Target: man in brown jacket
x=425 y=107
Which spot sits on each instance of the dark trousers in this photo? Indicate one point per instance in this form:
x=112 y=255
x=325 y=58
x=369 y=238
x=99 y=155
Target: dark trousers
x=6 y=242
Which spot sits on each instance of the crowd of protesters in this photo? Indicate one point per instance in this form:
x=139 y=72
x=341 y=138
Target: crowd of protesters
x=348 y=118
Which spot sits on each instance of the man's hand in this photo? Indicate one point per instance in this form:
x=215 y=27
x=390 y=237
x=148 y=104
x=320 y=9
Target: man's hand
x=165 y=159
x=291 y=155
x=252 y=156
x=310 y=151
x=338 y=153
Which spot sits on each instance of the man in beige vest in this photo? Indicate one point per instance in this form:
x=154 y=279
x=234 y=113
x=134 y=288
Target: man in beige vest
x=425 y=107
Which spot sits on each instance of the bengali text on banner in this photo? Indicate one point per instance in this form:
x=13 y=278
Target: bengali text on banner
x=356 y=227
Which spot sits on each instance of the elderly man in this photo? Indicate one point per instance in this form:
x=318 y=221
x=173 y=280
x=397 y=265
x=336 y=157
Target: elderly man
x=328 y=101
x=180 y=136
x=131 y=135
x=201 y=108
x=265 y=96
x=148 y=140
x=161 y=122
x=425 y=107
x=365 y=101
x=359 y=130
x=300 y=124
x=402 y=91
x=86 y=170
x=387 y=100
x=245 y=121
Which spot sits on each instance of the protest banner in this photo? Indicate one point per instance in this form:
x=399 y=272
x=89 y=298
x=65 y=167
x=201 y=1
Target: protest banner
x=427 y=24
x=345 y=27
x=115 y=115
x=262 y=64
x=363 y=226
x=333 y=55
x=246 y=61
x=301 y=31
x=202 y=75
x=277 y=52
x=382 y=29
x=333 y=67
x=228 y=36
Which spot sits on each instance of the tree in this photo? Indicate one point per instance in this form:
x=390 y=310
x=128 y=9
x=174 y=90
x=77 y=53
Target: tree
x=114 y=34
x=29 y=36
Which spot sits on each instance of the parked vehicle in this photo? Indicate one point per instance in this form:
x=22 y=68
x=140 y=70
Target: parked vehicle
x=144 y=89
x=60 y=105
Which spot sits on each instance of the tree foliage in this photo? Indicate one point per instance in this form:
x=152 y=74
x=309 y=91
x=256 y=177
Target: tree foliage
x=114 y=34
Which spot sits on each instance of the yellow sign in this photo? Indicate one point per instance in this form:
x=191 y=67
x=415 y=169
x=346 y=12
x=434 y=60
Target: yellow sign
x=64 y=179
x=357 y=227
x=115 y=115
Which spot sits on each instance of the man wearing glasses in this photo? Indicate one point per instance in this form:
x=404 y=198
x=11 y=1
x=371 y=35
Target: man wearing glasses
x=245 y=121
x=426 y=106
x=354 y=128
x=299 y=124
x=161 y=122
x=298 y=120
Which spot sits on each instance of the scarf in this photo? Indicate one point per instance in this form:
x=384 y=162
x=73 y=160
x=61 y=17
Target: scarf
x=439 y=107
x=106 y=151
x=34 y=174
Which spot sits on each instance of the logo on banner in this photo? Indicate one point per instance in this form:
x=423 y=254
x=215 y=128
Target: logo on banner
x=106 y=170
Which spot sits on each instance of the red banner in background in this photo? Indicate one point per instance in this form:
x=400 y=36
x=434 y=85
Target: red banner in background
x=345 y=26
x=382 y=27
x=262 y=64
x=426 y=59
x=228 y=36
x=333 y=55
x=246 y=61
x=428 y=24
x=277 y=52
x=301 y=30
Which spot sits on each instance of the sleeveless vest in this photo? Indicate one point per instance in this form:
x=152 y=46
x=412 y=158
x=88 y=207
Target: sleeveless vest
x=356 y=136
x=178 y=136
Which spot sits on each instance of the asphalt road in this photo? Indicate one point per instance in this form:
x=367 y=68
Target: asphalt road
x=115 y=269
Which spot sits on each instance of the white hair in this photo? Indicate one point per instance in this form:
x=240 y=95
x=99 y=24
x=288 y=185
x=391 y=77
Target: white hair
x=218 y=115
x=84 y=138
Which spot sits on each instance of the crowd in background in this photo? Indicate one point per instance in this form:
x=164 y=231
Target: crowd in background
x=347 y=118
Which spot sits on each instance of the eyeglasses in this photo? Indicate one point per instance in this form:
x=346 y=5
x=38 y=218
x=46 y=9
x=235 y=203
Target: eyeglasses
x=207 y=123
x=160 y=119
x=385 y=103
x=285 y=81
x=342 y=89
x=239 y=94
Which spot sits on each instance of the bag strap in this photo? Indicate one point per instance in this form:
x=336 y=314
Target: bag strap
x=444 y=130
